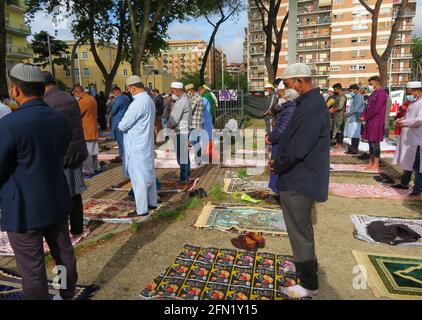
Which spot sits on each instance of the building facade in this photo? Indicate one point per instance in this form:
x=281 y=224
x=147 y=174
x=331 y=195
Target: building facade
x=185 y=56
x=333 y=38
x=235 y=68
x=16 y=33
x=89 y=75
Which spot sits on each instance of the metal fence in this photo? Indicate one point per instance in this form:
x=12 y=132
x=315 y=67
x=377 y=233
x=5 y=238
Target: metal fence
x=230 y=106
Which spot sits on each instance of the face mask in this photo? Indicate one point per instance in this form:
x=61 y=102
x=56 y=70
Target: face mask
x=352 y=94
x=174 y=97
x=371 y=89
x=267 y=93
x=410 y=98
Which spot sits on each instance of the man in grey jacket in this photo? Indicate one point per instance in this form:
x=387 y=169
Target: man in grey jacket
x=180 y=121
x=271 y=103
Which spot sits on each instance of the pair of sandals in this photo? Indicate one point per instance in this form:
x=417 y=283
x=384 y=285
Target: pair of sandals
x=198 y=193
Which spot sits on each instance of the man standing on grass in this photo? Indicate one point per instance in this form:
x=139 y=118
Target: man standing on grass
x=303 y=167
x=35 y=201
x=138 y=128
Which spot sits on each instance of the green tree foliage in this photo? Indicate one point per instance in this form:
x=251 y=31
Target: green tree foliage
x=417 y=58
x=41 y=54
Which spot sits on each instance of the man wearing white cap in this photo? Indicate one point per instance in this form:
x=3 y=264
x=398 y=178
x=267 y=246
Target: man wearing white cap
x=180 y=121
x=271 y=103
x=138 y=128
x=303 y=167
x=408 y=152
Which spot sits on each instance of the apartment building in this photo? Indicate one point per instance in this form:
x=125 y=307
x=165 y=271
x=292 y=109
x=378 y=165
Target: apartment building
x=16 y=33
x=90 y=77
x=185 y=56
x=333 y=38
x=235 y=68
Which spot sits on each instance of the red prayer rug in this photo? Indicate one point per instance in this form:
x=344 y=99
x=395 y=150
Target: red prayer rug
x=108 y=210
x=368 y=191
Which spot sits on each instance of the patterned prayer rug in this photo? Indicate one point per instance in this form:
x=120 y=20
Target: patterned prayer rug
x=395 y=277
x=242 y=219
x=250 y=151
x=369 y=191
x=172 y=164
x=6 y=249
x=107 y=156
x=221 y=274
x=243 y=163
x=11 y=288
x=239 y=185
x=358 y=168
x=111 y=211
x=362 y=221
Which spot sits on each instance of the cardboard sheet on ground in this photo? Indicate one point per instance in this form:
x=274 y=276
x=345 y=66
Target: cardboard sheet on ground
x=358 y=168
x=392 y=276
x=11 y=288
x=6 y=249
x=222 y=274
x=371 y=191
x=242 y=219
x=232 y=185
x=362 y=221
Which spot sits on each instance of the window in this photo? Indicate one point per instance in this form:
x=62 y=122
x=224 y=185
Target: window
x=86 y=72
x=335 y=68
x=125 y=72
x=67 y=73
x=84 y=55
x=338 y=16
x=356 y=67
x=360 y=27
x=337 y=29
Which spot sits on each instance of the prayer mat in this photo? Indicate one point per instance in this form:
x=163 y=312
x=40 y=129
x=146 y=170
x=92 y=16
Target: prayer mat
x=172 y=164
x=242 y=219
x=250 y=151
x=395 y=277
x=111 y=211
x=11 y=288
x=243 y=163
x=222 y=274
x=107 y=156
x=358 y=168
x=6 y=249
x=239 y=185
x=361 y=222
x=341 y=153
x=369 y=191
x=384 y=178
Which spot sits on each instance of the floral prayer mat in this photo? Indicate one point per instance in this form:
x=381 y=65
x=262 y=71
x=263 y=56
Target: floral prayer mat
x=107 y=156
x=6 y=249
x=11 y=288
x=242 y=219
x=361 y=222
x=358 y=168
x=221 y=274
x=111 y=211
x=369 y=191
x=395 y=277
x=239 y=185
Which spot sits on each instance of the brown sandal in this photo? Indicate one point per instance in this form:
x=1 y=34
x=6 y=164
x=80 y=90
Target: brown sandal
x=260 y=241
x=244 y=243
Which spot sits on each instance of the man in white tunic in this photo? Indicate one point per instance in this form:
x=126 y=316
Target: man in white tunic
x=408 y=152
x=137 y=126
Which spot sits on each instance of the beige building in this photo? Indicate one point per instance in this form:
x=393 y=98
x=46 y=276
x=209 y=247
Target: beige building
x=235 y=68
x=89 y=75
x=334 y=40
x=185 y=56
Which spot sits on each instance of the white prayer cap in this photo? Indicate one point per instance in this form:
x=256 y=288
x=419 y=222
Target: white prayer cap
x=414 y=85
x=331 y=89
x=177 y=85
x=297 y=70
x=133 y=80
x=27 y=73
x=268 y=86
x=281 y=86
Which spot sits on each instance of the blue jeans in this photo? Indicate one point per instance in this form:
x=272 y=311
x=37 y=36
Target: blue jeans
x=182 y=153
x=407 y=175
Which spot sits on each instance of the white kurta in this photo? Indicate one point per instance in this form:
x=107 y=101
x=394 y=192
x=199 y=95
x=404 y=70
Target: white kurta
x=410 y=137
x=138 y=128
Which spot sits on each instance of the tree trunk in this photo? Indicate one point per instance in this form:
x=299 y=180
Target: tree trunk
x=206 y=55
x=109 y=79
x=3 y=51
x=383 y=71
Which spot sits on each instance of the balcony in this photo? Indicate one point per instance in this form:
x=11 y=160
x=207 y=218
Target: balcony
x=17 y=6
x=314 y=35
x=317 y=73
x=403 y=56
x=314 y=48
x=19 y=52
x=312 y=10
x=22 y=30
x=402 y=70
x=318 y=22
x=407 y=28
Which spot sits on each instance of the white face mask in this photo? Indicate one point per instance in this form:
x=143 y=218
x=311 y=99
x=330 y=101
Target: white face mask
x=371 y=88
x=267 y=93
x=174 y=97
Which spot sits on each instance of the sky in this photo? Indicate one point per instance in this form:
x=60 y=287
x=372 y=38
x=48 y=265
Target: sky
x=230 y=37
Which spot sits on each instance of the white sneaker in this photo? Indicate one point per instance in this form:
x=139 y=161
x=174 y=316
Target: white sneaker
x=298 y=292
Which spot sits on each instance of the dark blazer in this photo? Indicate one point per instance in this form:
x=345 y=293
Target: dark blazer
x=64 y=103
x=33 y=188
x=303 y=158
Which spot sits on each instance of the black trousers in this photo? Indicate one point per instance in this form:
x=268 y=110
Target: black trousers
x=355 y=144
x=375 y=149
x=77 y=216
x=297 y=211
x=29 y=253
